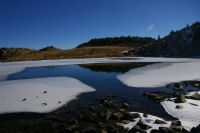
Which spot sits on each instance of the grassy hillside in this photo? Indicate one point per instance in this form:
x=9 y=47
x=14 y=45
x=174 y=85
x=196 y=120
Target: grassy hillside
x=21 y=54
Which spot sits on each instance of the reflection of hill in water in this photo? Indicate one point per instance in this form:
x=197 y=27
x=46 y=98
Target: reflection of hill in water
x=113 y=67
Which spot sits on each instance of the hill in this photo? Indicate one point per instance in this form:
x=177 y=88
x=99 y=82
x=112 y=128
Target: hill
x=22 y=54
x=118 y=41
x=180 y=43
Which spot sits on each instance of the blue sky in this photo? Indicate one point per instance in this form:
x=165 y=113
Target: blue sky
x=67 y=23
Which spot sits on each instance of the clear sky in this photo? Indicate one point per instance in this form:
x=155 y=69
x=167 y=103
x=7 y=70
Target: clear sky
x=67 y=23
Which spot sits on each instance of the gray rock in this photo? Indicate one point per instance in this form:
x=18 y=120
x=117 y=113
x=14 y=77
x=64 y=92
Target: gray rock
x=176 y=128
x=141 y=120
x=179 y=107
x=24 y=99
x=176 y=123
x=160 y=122
x=103 y=131
x=136 y=129
x=145 y=115
x=154 y=131
x=143 y=126
x=125 y=105
x=180 y=99
x=166 y=130
x=196 y=96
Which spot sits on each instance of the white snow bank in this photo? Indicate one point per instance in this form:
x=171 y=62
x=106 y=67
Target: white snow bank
x=192 y=93
x=31 y=95
x=189 y=115
x=160 y=74
x=150 y=120
x=14 y=67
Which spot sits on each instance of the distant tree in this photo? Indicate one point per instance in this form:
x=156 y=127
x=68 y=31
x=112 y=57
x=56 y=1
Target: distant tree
x=158 y=37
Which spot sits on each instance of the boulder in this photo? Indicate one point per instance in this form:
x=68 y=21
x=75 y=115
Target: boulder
x=103 y=131
x=145 y=115
x=180 y=99
x=176 y=123
x=119 y=124
x=136 y=129
x=125 y=105
x=179 y=107
x=179 y=85
x=160 y=122
x=143 y=126
x=176 y=128
x=89 y=130
x=141 y=120
x=166 y=130
x=154 y=131
x=196 y=96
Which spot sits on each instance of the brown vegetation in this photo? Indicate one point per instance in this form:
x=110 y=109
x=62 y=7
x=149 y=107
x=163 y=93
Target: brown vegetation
x=87 y=52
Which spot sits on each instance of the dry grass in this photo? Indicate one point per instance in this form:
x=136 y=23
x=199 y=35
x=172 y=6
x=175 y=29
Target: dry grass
x=87 y=52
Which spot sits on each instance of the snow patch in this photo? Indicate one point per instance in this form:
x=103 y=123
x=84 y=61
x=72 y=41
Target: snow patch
x=161 y=74
x=189 y=115
x=39 y=95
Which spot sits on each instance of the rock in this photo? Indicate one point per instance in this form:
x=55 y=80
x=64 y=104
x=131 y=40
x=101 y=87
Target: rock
x=179 y=85
x=176 y=123
x=94 y=108
x=180 y=99
x=103 y=131
x=108 y=114
x=125 y=105
x=145 y=93
x=128 y=116
x=121 y=110
x=179 y=107
x=136 y=129
x=117 y=116
x=168 y=86
x=156 y=97
x=154 y=131
x=195 y=129
x=126 y=121
x=166 y=130
x=44 y=104
x=106 y=102
x=196 y=96
x=141 y=120
x=24 y=99
x=119 y=124
x=143 y=126
x=89 y=130
x=136 y=115
x=160 y=122
x=176 y=128
x=145 y=115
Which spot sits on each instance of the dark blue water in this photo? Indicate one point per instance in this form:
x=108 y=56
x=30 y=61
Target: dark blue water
x=105 y=84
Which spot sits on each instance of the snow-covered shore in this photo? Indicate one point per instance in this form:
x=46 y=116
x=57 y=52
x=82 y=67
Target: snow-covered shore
x=189 y=115
x=39 y=95
x=161 y=74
